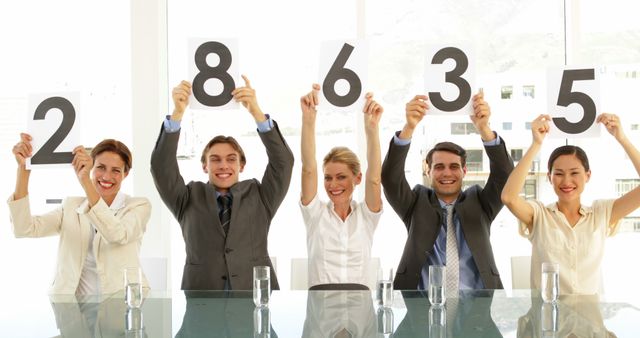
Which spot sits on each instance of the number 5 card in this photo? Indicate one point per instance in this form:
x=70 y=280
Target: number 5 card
x=52 y=123
x=573 y=96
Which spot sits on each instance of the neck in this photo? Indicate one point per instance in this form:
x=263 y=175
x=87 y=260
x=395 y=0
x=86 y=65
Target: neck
x=342 y=210
x=569 y=207
x=448 y=199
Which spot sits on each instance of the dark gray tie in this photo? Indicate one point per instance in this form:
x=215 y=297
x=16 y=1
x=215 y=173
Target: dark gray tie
x=225 y=212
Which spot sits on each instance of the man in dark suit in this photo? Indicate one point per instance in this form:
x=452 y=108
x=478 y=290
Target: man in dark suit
x=225 y=222
x=423 y=209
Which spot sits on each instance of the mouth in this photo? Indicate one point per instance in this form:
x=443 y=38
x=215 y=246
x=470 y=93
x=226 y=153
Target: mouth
x=106 y=185
x=336 y=192
x=567 y=189
x=446 y=182
x=223 y=176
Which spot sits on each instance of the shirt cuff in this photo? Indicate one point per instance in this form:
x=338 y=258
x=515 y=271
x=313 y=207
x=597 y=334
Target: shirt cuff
x=265 y=125
x=494 y=142
x=400 y=141
x=171 y=126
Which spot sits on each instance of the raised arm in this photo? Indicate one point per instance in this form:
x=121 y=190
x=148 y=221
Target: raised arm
x=630 y=201
x=21 y=151
x=372 y=189
x=309 y=174
x=82 y=165
x=247 y=96
x=511 y=191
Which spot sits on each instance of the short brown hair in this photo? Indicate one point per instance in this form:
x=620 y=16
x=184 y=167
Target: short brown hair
x=224 y=139
x=343 y=155
x=114 y=146
x=448 y=147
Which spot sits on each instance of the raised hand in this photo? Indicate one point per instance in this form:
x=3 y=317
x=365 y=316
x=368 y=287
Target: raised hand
x=372 y=112
x=540 y=128
x=612 y=123
x=415 y=110
x=247 y=96
x=481 y=115
x=309 y=102
x=23 y=149
x=82 y=164
x=180 y=95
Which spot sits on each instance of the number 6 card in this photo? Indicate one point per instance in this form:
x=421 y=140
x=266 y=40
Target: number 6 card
x=51 y=123
x=343 y=74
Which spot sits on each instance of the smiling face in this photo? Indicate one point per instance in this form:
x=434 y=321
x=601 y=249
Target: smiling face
x=107 y=174
x=222 y=163
x=445 y=175
x=568 y=177
x=339 y=182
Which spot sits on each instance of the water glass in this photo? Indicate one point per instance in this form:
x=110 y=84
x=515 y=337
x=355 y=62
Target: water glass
x=549 y=319
x=385 y=320
x=133 y=287
x=134 y=324
x=261 y=285
x=438 y=321
x=550 y=281
x=437 y=277
x=261 y=322
x=384 y=287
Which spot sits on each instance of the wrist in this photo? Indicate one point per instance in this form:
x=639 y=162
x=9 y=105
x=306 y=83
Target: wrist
x=406 y=132
x=176 y=115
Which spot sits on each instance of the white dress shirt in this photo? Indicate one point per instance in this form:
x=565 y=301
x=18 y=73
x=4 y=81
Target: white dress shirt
x=339 y=252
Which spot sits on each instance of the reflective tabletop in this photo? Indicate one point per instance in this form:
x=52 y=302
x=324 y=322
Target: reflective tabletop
x=482 y=313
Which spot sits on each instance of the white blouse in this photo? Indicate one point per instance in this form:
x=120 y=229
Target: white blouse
x=339 y=252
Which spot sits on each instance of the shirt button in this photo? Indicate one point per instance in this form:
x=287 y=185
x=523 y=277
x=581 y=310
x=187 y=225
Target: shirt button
x=224 y=277
x=228 y=250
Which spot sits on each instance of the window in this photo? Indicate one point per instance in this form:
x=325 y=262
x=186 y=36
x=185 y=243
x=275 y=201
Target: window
x=635 y=126
x=527 y=125
x=528 y=91
x=506 y=92
x=516 y=154
x=623 y=186
x=529 y=190
x=507 y=125
x=474 y=160
x=463 y=129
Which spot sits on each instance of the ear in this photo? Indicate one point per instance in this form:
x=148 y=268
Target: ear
x=464 y=171
x=549 y=177
x=204 y=168
x=358 y=178
x=425 y=168
x=241 y=168
x=588 y=175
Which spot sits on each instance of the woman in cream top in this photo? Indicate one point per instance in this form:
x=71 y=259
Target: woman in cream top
x=100 y=233
x=340 y=232
x=566 y=231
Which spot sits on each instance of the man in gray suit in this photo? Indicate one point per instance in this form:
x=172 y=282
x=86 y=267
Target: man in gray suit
x=422 y=209
x=225 y=222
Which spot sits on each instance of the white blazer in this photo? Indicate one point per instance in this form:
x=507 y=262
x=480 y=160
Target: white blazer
x=116 y=244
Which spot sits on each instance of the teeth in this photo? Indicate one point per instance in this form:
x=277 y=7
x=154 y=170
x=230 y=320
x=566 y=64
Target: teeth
x=106 y=185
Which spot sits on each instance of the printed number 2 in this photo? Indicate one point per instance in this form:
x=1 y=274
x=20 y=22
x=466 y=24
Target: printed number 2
x=454 y=77
x=218 y=72
x=337 y=72
x=567 y=97
x=47 y=154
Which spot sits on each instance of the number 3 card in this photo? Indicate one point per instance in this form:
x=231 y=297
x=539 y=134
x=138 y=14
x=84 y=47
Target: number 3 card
x=51 y=122
x=449 y=80
x=213 y=68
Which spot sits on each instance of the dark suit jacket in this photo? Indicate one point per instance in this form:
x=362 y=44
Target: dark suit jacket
x=212 y=258
x=421 y=213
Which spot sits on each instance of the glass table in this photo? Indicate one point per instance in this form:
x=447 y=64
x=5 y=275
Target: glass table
x=481 y=313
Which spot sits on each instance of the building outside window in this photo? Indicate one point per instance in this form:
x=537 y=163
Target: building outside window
x=507 y=125
x=474 y=160
x=506 y=92
x=529 y=91
x=463 y=129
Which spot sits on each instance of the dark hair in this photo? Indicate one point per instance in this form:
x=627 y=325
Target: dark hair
x=569 y=150
x=448 y=147
x=224 y=139
x=114 y=146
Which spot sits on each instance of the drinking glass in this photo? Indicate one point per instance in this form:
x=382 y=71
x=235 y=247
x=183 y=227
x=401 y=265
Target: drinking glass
x=261 y=322
x=550 y=281
x=438 y=321
x=437 y=277
x=133 y=287
x=385 y=321
x=549 y=319
x=261 y=285
x=384 y=287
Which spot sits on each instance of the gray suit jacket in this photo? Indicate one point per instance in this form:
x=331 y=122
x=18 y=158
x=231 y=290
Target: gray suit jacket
x=421 y=213
x=212 y=258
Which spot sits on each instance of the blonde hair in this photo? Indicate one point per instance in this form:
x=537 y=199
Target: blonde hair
x=343 y=155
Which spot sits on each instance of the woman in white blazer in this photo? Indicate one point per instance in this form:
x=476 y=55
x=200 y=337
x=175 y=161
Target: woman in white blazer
x=100 y=233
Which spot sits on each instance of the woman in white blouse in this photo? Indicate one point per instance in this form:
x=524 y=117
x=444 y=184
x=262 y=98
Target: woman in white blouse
x=340 y=231
x=566 y=231
x=100 y=233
